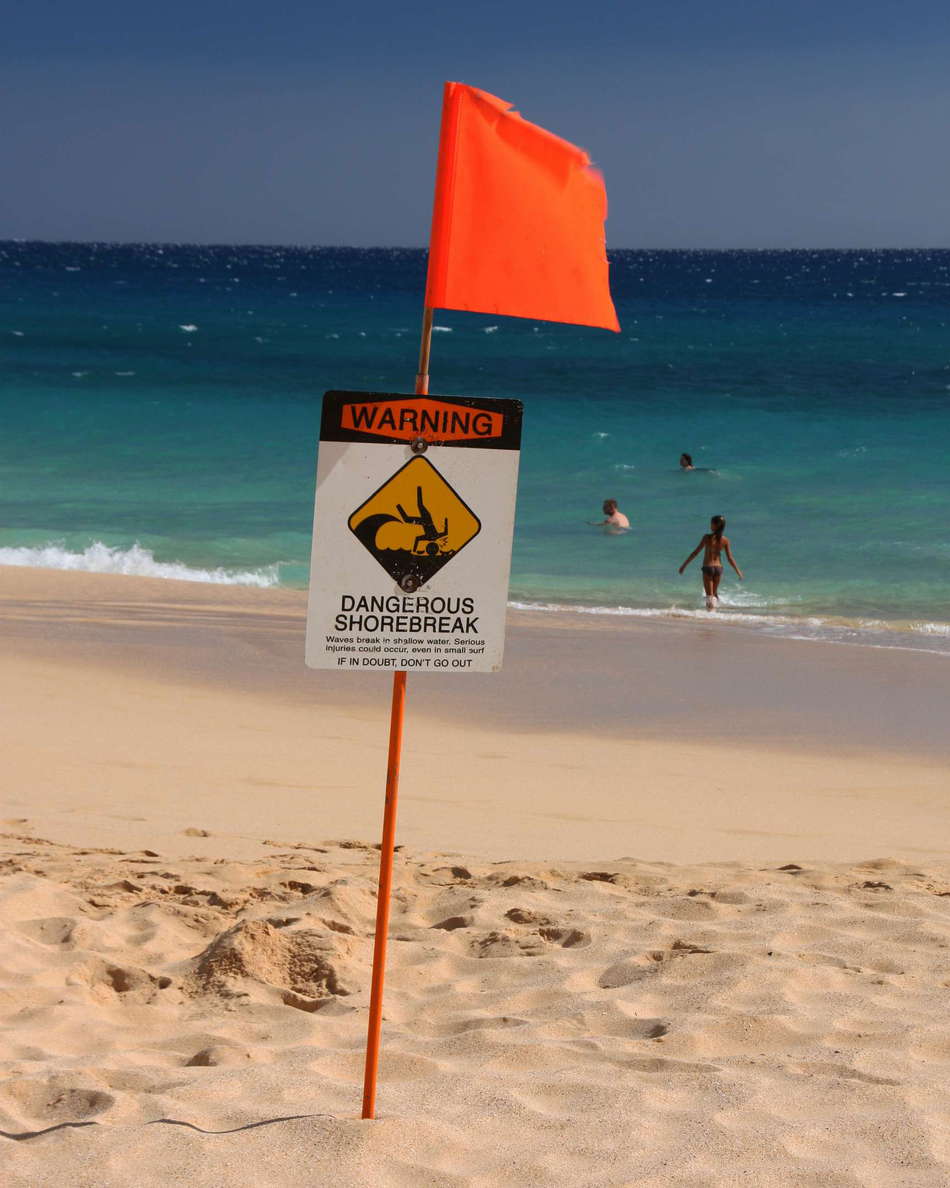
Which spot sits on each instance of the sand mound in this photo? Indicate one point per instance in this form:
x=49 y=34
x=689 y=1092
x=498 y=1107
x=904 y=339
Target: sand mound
x=304 y=962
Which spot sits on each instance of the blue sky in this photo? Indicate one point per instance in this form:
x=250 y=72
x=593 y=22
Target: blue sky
x=717 y=124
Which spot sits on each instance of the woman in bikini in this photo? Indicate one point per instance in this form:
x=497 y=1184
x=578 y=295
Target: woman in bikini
x=714 y=544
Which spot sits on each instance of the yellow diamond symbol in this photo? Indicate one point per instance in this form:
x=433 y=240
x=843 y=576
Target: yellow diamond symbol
x=414 y=523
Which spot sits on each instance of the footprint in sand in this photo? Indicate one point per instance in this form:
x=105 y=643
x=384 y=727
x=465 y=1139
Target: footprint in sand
x=526 y=916
x=651 y=1028
x=526 y=881
x=54 y=930
x=507 y=944
x=217 y=1055
x=453 y=922
x=482 y=1023
x=567 y=938
x=50 y=1102
x=448 y=875
x=133 y=985
x=624 y=973
x=503 y=944
x=842 y=1071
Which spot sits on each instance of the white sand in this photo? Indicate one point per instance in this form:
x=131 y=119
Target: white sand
x=545 y=1024
x=180 y=953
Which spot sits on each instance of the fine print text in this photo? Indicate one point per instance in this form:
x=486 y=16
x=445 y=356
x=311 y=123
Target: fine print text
x=406 y=631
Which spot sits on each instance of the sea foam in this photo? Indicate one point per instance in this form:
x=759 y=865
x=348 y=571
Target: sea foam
x=910 y=636
x=134 y=562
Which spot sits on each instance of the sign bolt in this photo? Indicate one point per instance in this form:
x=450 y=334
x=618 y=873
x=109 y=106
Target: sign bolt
x=418 y=445
x=409 y=582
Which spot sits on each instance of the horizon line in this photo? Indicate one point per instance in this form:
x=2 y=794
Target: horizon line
x=185 y=243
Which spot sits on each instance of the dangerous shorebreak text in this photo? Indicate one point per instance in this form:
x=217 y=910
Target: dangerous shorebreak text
x=413 y=615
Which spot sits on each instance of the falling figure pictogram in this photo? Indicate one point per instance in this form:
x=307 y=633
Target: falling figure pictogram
x=414 y=544
x=430 y=536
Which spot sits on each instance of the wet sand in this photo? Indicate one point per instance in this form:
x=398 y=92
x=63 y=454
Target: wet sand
x=138 y=704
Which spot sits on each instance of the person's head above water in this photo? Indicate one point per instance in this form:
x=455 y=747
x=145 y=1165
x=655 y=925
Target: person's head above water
x=686 y=461
x=718 y=525
x=610 y=506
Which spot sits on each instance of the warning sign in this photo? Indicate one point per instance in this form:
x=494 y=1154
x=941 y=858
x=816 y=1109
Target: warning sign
x=412 y=532
x=414 y=524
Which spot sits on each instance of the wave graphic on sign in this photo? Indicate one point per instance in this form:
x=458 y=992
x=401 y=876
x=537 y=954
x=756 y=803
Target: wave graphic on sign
x=415 y=523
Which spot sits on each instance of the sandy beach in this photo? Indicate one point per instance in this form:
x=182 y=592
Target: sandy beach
x=672 y=907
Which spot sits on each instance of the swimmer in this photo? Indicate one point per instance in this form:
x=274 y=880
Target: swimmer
x=714 y=544
x=686 y=463
x=615 y=522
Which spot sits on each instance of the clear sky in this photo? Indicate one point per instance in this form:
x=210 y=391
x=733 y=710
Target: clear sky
x=717 y=123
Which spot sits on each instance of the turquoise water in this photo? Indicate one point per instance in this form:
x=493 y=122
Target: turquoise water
x=161 y=409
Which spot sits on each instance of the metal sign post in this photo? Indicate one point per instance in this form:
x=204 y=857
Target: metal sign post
x=413 y=523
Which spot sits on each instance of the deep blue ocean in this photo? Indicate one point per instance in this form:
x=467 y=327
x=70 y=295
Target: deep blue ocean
x=161 y=409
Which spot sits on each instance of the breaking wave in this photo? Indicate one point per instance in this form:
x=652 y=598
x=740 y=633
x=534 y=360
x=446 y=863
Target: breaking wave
x=133 y=562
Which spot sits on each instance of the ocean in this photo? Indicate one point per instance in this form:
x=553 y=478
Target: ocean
x=161 y=409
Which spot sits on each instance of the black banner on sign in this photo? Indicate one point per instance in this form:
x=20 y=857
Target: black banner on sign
x=393 y=418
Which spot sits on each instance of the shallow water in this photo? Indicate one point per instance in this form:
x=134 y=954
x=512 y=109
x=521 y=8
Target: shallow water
x=161 y=410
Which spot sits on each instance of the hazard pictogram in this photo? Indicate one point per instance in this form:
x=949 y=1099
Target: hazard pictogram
x=414 y=523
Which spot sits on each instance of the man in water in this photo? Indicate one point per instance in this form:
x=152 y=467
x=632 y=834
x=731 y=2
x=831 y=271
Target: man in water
x=615 y=522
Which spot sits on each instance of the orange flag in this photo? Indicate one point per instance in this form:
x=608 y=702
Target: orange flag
x=518 y=219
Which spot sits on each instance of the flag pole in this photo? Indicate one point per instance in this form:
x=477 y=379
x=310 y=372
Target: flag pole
x=425 y=349
x=387 y=847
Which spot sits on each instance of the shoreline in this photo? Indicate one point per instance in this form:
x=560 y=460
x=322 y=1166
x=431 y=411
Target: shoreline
x=906 y=634
x=44 y=608
x=117 y=605
x=141 y=709
x=910 y=635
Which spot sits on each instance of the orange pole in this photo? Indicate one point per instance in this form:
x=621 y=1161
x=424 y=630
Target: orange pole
x=388 y=846
x=386 y=852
